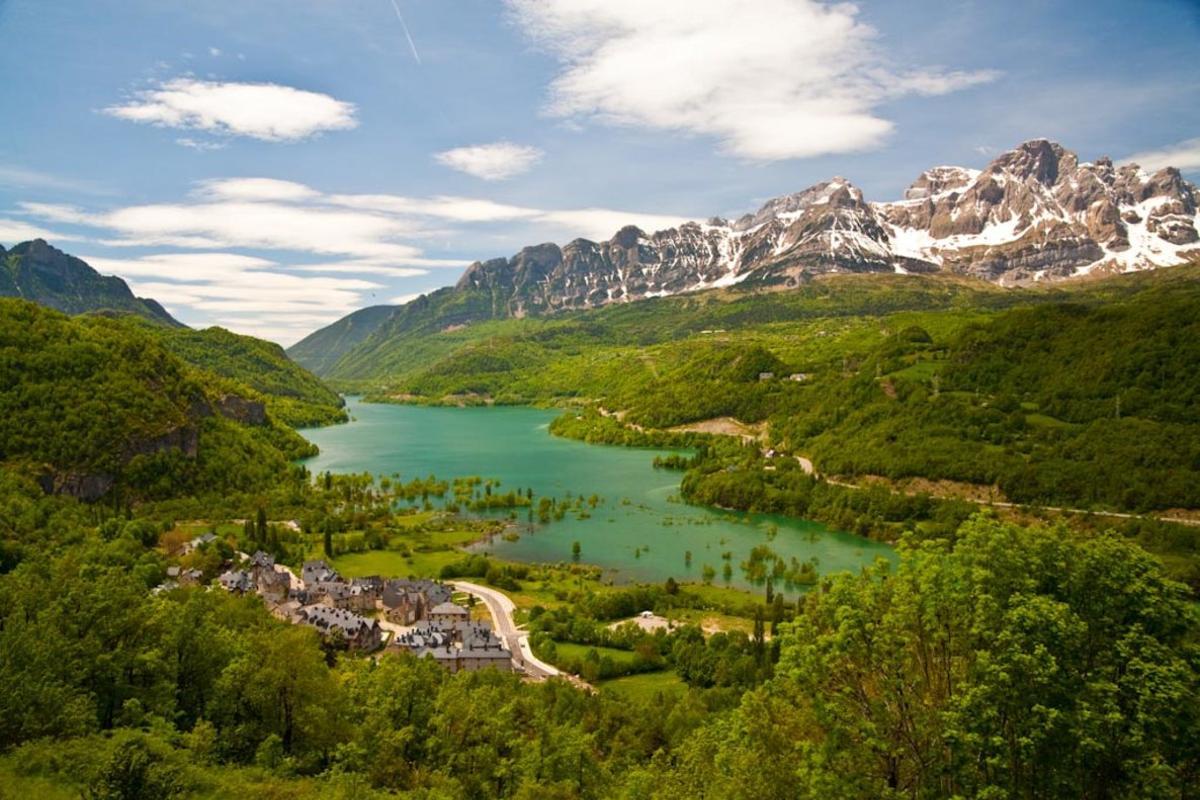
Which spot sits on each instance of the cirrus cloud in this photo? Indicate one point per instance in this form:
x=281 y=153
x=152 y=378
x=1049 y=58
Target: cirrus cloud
x=1184 y=156
x=491 y=162
x=770 y=80
x=265 y=111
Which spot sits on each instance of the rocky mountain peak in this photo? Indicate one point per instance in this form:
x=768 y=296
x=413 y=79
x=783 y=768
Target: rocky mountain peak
x=1034 y=213
x=1039 y=159
x=939 y=180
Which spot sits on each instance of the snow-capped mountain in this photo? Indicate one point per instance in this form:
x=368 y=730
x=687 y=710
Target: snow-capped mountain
x=1035 y=213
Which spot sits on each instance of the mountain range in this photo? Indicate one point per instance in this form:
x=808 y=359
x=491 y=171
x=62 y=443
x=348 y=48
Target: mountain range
x=1035 y=214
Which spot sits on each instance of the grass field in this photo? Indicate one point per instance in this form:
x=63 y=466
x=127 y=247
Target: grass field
x=645 y=686
x=392 y=564
x=569 y=651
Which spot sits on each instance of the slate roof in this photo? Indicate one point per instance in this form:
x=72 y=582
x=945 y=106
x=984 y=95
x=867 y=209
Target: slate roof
x=327 y=618
x=318 y=572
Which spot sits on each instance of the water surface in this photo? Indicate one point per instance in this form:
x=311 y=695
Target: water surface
x=640 y=529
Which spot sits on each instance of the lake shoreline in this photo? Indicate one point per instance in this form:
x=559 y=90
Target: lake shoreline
x=641 y=533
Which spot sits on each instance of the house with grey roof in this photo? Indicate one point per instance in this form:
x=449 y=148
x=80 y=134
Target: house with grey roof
x=456 y=646
x=318 y=572
x=192 y=545
x=359 y=633
x=237 y=581
x=406 y=601
x=449 y=612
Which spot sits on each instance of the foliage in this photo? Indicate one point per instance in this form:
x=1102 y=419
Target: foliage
x=97 y=398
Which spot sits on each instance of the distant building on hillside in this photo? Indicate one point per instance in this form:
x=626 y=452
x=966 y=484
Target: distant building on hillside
x=189 y=547
x=237 y=581
x=406 y=601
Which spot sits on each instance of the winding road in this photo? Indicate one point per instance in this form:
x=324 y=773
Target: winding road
x=502 y=608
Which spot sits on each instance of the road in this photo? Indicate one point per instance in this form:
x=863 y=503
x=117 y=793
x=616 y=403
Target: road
x=502 y=608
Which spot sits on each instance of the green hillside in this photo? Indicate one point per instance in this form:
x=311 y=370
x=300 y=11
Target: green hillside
x=321 y=349
x=97 y=407
x=293 y=395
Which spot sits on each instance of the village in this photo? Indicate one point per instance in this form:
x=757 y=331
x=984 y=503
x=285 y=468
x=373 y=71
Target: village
x=365 y=614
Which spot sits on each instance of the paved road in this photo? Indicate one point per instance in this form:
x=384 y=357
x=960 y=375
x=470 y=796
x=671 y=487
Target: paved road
x=502 y=608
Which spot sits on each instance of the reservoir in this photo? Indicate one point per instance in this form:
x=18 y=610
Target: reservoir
x=639 y=530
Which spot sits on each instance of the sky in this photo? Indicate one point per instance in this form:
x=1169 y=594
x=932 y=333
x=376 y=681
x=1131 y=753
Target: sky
x=270 y=166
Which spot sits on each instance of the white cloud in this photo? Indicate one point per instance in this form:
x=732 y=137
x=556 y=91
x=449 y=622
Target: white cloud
x=772 y=79
x=198 y=145
x=14 y=231
x=460 y=209
x=1184 y=155
x=367 y=268
x=491 y=162
x=265 y=111
x=602 y=223
x=401 y=299
x=335 y=251
x=249 y=224
x=256 y=189
x=245 y=291
x=24 y=178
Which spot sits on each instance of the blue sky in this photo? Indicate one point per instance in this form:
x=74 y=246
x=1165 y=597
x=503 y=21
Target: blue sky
x=271 y=165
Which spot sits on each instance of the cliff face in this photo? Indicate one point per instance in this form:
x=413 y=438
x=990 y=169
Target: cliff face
x=184 y=439
x=1035 y=213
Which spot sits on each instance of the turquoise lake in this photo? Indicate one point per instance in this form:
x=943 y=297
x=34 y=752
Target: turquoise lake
x=639 y=508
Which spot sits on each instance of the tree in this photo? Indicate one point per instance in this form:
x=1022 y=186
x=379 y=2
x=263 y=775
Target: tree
x=576 y=549
x=260 y=533
x=328 y=542
x=777 y=611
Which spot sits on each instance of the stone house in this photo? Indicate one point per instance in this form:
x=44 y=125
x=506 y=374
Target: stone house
x=449 y=612
x=237 y=581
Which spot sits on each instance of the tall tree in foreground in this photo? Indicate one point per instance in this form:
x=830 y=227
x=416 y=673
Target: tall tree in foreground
x=1014 y=663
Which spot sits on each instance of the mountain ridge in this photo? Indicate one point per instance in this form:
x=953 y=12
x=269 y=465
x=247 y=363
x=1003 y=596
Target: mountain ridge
x=37 y=271
x=1035 y=214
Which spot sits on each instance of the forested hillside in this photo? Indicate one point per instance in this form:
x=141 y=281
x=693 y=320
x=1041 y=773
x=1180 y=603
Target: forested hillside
x=293 y=395
x=100 y=408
